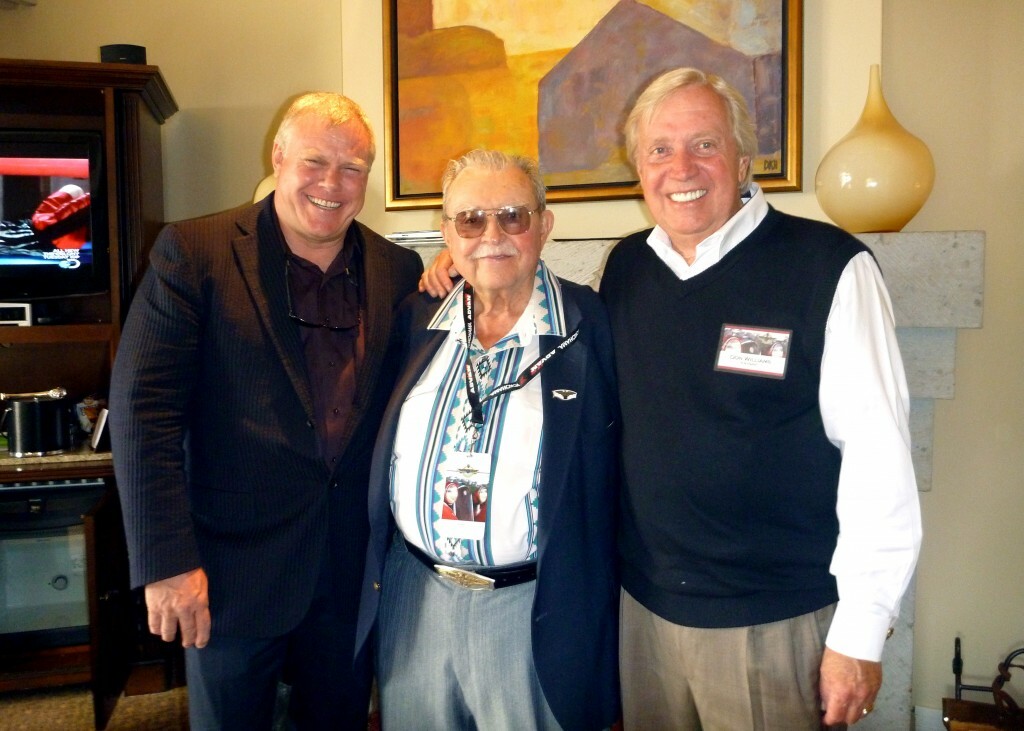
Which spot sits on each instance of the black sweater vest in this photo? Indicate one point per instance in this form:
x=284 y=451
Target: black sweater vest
x=729 y=496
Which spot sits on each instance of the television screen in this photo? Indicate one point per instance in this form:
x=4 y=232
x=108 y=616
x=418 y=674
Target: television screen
x=53 y=234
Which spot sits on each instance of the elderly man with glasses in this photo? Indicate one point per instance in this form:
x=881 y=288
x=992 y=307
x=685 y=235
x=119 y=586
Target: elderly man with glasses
x=504 y=619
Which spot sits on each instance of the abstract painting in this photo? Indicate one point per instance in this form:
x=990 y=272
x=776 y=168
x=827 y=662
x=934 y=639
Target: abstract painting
x=555 y=79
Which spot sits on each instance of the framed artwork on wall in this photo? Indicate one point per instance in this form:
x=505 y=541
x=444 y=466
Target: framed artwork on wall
x=555 y=79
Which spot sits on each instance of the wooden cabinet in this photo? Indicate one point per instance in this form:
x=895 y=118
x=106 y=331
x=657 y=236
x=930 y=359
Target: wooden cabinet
x=125 y=104
x=81 y=498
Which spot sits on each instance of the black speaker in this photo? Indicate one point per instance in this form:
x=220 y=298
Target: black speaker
x=123 y=53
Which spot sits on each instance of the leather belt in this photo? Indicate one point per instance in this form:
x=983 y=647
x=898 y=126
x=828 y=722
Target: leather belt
x=480 y=579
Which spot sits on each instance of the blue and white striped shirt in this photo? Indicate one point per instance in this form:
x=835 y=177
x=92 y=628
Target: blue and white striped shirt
x=437 y=440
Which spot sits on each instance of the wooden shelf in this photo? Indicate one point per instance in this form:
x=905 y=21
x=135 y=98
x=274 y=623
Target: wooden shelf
x=13 y=470
x=88 y=333
x=145 y=81
x=46 y=668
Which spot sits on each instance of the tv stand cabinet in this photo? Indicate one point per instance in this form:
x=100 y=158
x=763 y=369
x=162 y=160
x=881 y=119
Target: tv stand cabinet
x=127 y=104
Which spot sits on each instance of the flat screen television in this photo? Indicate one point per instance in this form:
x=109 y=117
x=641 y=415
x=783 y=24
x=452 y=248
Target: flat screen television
x=53 y=215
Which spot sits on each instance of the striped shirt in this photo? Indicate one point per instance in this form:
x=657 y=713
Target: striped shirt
x=491 y=471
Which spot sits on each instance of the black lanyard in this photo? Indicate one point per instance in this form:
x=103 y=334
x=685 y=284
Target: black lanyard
x=528 y=374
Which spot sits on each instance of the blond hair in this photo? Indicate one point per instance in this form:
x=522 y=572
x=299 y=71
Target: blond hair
x=659 y=90
x=334 y=109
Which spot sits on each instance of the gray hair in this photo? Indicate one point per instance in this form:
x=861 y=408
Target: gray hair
x=664 y=86
x=334 y=109
x=494 y=160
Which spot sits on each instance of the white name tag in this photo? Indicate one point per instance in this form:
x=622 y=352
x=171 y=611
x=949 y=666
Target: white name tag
x=464 y=500
x=753 y=350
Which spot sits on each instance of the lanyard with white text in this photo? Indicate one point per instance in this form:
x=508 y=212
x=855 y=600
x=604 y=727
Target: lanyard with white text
x=528 y=374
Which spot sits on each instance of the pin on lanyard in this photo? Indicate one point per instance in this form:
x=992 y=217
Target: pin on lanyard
x=528 y=374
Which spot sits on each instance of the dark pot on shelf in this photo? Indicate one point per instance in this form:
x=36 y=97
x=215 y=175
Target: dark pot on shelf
x=36 y=424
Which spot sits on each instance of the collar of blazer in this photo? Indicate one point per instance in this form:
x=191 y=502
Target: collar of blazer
x=260 y=252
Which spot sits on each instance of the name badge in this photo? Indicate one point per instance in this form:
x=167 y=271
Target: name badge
x=753 y=350
x=464 y=499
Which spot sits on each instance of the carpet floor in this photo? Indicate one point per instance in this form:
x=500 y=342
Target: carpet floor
x=70 y=709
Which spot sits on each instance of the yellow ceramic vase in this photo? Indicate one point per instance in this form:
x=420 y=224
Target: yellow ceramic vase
x=878 y=176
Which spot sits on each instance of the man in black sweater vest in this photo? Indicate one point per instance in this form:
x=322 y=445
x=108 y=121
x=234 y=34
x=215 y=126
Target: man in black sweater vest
x=770 y=517
x=770 y=520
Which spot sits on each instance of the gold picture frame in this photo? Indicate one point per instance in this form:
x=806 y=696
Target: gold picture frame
x=502 y=74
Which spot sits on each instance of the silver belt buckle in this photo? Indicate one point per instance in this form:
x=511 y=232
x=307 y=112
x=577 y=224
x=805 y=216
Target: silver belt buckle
x=465 y=579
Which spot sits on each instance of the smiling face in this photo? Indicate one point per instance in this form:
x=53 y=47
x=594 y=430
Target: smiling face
x=497 y=264
x=689 y=166
x=321 y=173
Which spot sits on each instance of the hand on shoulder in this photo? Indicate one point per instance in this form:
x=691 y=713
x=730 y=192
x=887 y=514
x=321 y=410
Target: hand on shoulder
x=437 y=279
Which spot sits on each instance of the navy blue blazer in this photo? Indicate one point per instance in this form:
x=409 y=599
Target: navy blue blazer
x=212 y=420
x=575 y=610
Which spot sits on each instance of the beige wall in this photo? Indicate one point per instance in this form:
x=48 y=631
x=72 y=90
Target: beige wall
x=950 y=76
x=229 y=64
x=954 y=79
x=232 y=64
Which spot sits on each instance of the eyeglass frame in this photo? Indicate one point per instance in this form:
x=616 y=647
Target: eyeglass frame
x=496 y=212
x=307 y=323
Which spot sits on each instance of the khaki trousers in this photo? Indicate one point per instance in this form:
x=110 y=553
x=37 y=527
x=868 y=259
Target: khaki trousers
x=760 y=678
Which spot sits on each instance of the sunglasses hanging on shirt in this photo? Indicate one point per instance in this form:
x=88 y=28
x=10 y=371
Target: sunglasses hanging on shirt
x=347 y=318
